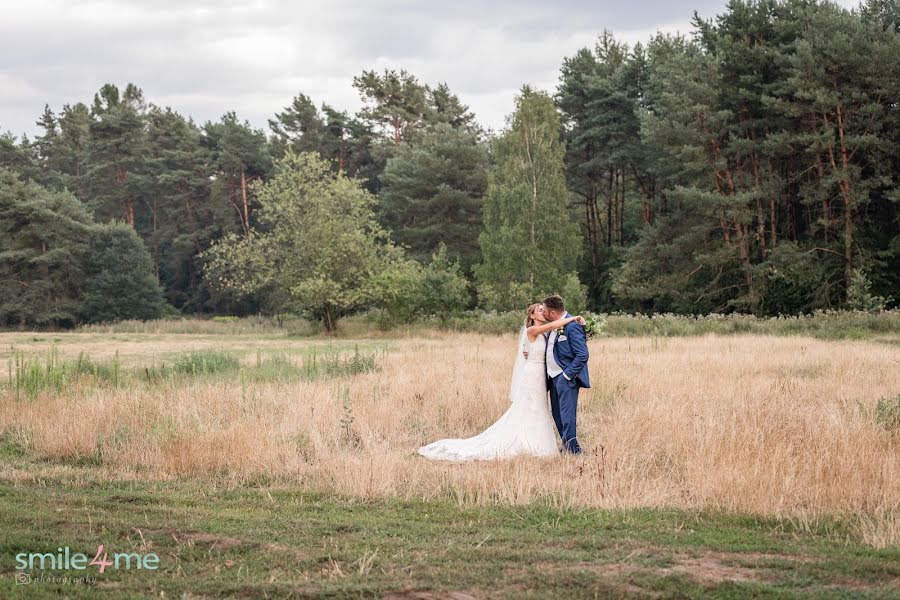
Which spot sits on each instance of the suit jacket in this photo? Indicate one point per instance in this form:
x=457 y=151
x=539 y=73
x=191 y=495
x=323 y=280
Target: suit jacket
x=571 y=353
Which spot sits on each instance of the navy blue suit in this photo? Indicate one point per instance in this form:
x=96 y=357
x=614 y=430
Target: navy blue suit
x=571 y=353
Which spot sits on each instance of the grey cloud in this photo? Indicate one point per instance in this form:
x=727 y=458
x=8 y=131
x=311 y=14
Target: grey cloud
x=204 y=57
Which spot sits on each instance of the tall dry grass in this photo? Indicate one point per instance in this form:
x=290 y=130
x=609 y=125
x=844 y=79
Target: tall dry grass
x=774 y=426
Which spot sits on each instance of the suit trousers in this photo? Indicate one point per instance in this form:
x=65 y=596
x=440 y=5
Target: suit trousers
x=564 y=406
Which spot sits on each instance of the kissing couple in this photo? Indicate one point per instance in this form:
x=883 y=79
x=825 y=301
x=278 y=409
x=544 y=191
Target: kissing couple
x=552 y=355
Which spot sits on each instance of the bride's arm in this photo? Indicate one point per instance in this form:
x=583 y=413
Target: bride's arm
x=536 y=330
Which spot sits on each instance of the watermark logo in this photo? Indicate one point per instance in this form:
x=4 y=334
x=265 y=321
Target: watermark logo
x=66 y=560
x=28 y=579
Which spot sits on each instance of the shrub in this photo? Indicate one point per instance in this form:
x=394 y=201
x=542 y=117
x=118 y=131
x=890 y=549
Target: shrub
x=120 y=281
x=409 y=291
x=860 y=296
x=575 y=295
x=887 y=413
x=443 y=290
x=226 y=319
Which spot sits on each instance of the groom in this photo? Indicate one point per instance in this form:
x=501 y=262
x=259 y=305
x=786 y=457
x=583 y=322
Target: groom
x=567 y=372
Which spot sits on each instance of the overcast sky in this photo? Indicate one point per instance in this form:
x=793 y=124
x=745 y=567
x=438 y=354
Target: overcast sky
x=205 y=57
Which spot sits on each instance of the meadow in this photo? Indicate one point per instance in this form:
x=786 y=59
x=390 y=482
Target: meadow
x=259 y=462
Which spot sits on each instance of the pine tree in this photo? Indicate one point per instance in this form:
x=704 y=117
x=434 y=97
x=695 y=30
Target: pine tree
x=49 y=152
x=184 y=222
x=841 y=79
x=710 y=210
x=117 y=151
x=299 y=126
x=43 y=240
x=343 y=140
x=432 y=194
x=74 y=131
x=606 y=163
x=396 y=104
x=240 y=156
x=446 y=107
x=19 y=157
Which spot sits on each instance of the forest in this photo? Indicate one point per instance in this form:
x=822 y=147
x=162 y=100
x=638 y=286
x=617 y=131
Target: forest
x=751 y=166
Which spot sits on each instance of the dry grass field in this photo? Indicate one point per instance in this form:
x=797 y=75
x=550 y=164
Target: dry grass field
x=781 y=428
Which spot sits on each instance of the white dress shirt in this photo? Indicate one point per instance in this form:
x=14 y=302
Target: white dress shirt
x=553 y=368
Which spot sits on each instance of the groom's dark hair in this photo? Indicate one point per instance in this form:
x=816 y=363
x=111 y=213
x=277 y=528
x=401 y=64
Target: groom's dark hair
x=554 y=302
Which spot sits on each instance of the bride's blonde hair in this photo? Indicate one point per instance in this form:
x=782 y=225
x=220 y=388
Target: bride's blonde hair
x=529 y=314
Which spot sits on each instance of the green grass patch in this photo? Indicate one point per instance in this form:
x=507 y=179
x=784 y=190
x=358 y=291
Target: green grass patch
x=312 y=365
x=276 y=542
x=32 y=373
x=14 y=444
x=205 y=363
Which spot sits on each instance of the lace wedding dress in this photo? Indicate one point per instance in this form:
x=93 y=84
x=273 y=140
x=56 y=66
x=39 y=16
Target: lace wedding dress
x=526 y=428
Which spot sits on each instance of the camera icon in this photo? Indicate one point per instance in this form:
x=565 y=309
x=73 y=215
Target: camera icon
x=23 y=578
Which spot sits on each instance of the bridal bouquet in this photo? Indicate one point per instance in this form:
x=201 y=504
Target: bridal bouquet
x=594 y=325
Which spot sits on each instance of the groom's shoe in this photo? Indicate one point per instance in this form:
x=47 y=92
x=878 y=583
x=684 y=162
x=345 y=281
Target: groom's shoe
x=572 y=446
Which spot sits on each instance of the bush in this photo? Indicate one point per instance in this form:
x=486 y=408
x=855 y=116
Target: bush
x=444 y=290
x=495 y=299
x=794 y=281
x=860 y=296
x=409 y=291
x=887 y=413
x=484 y=322
x=397 y=289
x=575 y=295
x=830 y=324
x=226 y=319
x=120 y=281
x=833 y=324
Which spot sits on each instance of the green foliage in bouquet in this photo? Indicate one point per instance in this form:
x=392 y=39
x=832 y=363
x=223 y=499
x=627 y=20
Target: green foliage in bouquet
x=594 y=325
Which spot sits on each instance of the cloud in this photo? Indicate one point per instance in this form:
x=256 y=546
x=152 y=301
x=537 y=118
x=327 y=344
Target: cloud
x=205 y=57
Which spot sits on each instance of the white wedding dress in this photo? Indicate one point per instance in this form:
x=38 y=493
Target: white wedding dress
x=526 y=428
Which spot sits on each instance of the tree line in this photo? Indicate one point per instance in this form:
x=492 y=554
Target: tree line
x=749 y=167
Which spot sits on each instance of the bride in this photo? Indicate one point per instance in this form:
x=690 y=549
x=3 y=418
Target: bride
x=527 y=427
